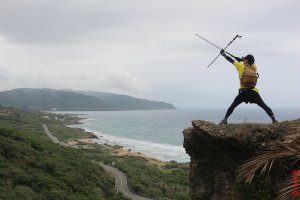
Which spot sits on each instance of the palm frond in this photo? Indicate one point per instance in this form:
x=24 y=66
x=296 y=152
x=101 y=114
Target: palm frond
x=290 y=188
x=265 y=161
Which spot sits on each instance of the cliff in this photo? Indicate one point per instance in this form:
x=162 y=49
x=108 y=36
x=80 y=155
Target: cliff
x=217 y=152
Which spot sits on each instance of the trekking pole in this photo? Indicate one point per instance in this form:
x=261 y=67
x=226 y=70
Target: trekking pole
x=237 y=36
x=214 y=44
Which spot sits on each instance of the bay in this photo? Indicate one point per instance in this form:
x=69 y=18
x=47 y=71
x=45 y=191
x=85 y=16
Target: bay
x=158 y=133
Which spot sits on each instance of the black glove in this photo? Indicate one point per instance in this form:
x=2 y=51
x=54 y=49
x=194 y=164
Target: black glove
x=222 y=52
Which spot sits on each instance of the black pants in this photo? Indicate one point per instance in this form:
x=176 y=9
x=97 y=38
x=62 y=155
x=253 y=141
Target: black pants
x=247 y=95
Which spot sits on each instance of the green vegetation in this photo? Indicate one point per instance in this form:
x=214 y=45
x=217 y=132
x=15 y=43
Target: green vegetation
x=160 y=181
x=125 y=102
x=35 y=168
x=61 y=131
x=145 y=178
x=32 y=167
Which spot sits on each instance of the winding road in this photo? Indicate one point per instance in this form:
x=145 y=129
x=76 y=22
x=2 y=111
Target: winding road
x=121 y=184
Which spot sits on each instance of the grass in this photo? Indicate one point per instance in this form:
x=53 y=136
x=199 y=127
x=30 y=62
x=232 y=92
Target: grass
x=32 y=167
x=42 y=170
x=167 y=181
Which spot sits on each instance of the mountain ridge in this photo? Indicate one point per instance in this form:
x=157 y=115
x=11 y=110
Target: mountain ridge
x=123 y=102
x=69 y=100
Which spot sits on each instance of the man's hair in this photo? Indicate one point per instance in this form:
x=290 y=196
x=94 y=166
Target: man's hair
x=250 y=59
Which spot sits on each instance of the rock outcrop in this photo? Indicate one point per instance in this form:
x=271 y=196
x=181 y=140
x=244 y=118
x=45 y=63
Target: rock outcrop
x=218 y=151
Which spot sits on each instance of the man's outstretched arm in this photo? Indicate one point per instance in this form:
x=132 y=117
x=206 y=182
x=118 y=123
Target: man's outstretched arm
x=222 y=52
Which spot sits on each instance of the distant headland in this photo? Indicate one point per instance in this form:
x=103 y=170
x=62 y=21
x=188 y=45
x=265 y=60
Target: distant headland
x=68 y=100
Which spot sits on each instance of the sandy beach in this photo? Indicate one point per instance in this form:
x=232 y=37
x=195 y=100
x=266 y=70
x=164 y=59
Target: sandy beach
x=115 y=149
x=126 y=152
x=119 y=150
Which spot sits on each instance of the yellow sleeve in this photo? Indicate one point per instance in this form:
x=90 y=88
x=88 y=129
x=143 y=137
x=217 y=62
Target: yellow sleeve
x=254 y=65
x=239 y=67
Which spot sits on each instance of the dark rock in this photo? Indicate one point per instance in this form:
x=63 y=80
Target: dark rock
x=218 y=151
x=117 y=146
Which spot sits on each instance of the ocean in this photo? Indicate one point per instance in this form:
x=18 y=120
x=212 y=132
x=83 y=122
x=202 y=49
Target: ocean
x=158 y=133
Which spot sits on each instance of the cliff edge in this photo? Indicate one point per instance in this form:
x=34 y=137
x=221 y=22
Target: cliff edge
x=217 y=152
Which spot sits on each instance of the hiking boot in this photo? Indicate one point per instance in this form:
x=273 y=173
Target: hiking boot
x=274 y=121
x=223 y=121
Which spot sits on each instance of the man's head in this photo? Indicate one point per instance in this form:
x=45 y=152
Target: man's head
x=249 y=58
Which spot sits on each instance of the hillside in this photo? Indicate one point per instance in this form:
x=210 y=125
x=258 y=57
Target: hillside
x=63 y=100
x=32 y=167
x=125 y=102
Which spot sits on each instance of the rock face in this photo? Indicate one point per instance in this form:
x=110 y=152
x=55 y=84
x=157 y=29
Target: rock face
x=218 y=151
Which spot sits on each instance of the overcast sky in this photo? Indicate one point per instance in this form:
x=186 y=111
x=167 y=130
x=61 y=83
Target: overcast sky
x=148 y=49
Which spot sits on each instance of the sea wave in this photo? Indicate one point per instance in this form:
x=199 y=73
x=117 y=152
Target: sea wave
x=164 y=152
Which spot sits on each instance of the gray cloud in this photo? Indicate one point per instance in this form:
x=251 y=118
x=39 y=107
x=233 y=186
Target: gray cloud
x=148 y=49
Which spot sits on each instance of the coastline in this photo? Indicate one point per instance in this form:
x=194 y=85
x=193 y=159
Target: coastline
x=117 y=150
x=142 y=148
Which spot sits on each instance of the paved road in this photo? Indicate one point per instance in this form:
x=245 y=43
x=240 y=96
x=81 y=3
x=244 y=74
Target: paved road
x=121 y=184
x=52 y=137
x=56 y=141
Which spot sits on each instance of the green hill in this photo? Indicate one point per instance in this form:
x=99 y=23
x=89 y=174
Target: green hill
x=67 y=100
x=125 y=102
x=47 y=99
x=32 y=167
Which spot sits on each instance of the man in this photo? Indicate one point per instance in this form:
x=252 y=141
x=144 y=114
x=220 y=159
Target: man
x=246 y=93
